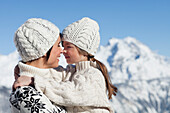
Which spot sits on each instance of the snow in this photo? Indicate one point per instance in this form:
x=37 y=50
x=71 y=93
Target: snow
x=7 y=64
x=141 y=75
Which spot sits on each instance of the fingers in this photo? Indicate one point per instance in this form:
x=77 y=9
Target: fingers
x=16 y=84
x=23 y=81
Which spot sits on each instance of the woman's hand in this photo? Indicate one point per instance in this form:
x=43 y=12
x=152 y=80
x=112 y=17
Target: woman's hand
x=23 y=81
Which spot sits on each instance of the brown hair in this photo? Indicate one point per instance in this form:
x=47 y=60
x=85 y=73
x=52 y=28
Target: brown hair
x=49 y=51
x=112 y=90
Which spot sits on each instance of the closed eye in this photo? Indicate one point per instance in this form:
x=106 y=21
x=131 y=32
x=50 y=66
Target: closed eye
x=69 y=47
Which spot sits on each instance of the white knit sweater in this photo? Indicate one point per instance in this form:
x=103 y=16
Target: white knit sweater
x=83 y=92
x=58 y=74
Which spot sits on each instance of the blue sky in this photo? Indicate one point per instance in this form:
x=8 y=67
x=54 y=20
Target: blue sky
x=146 y=20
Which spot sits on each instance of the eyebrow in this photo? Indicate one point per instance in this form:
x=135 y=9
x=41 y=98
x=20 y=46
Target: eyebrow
x=69 y=44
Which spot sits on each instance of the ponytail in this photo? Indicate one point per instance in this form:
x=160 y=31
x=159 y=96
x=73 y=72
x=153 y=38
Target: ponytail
x=112 y=90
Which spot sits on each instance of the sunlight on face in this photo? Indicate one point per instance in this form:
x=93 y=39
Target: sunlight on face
x=71 y=53
x=53 y=60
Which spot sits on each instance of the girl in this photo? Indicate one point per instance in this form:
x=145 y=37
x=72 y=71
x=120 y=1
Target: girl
x=85 y=89
x=38 y=43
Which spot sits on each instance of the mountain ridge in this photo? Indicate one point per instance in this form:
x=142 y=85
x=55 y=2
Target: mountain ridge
x=141 y=75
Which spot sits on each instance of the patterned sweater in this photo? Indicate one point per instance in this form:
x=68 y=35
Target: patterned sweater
x=82 y=91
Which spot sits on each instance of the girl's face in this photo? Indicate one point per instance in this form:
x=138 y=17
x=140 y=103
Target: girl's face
x=53 y=60
x=71 y=53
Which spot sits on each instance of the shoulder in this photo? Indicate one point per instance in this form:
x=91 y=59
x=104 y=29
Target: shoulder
x=95 y=77
x=95 y=74
x=93 y=71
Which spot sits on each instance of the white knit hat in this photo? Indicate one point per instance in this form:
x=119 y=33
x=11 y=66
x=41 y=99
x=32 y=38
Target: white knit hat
x=84 y=34
x=34 y=38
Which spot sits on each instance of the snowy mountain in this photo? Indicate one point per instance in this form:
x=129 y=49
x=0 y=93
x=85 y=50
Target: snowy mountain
x=142 y=76
x=7 y=64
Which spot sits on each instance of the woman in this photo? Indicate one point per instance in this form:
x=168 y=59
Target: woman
x=85 y=89
x=38 y=43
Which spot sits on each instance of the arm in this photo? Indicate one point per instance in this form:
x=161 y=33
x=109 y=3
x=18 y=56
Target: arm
x=23 y=81
x=28 y=72
x=64 y=72
x=83 y=90
x=59 y=71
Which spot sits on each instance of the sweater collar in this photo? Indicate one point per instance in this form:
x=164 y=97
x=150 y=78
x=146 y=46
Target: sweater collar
x=31 y=70
x=84 y=65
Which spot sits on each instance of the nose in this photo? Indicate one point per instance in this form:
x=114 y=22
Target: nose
x=61 y=51
x=64 y=51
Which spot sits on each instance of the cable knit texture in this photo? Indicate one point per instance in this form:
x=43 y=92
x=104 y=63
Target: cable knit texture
x=58 y=74
x=83 y=92
x=34 y=38
x=84 y=34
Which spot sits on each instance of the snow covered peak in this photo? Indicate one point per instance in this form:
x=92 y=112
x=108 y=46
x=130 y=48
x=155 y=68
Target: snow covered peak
x=128 y=48
x=130 y=39
x=112 y=41
x=142 y=77
x=129 y=59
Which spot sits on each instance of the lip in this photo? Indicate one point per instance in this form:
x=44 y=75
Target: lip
x=58 y=57
x=67 y=57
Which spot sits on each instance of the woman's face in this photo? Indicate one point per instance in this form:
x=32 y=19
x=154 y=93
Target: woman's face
x=71 y=53
x=53 y=60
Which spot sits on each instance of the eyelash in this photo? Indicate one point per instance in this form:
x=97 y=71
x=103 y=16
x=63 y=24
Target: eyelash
x=69 y=47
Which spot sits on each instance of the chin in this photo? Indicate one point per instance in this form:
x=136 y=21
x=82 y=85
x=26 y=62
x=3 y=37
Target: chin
x=55 y=65
x=69 y=62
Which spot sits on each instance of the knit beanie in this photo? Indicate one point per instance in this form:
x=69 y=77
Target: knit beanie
x=84 y=34
x=34 y=38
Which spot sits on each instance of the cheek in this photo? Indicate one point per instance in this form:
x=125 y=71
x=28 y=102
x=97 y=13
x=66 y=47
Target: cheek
x=75 y=57
x=54 y=55
x=57 y=51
